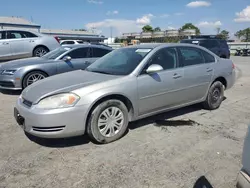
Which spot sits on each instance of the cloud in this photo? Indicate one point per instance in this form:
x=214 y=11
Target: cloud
x=164 y=15
x=112 y=12
x=209 y=24
x=243 y=16
x=171 y=28
x=120 y=25
x=144 y=20
x=95 y=2
x=179 y=14
x=196 y=4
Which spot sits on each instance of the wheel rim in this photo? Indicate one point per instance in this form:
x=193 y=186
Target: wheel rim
x=34 y=78
x=110 y=121
x=40 y=52
x=216 y=95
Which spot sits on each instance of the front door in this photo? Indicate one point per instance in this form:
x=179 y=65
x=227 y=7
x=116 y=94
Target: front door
x=5 y=52
x=198 y=71
x=79 y=60
x=163 y=89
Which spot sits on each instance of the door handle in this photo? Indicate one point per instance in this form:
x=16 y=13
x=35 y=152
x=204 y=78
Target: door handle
x=176 y=76
x=5 y=43
x=32 y=41
x=209 y=70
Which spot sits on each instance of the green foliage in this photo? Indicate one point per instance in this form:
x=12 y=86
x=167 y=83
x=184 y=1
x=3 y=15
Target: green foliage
x=157 y=29
x=190 y=26
x=224 y=34
x=243 y=34
x=147 y=28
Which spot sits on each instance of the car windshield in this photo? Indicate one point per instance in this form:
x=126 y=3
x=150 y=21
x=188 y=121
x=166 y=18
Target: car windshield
x=119 y=62
x=56 y=53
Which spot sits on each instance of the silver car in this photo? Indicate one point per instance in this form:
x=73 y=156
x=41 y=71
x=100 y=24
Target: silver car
x=18 y=74
x=243 y=180
x=15 y=44
x=123 y=86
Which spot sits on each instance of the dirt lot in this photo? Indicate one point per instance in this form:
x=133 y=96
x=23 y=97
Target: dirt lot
x=154 y=153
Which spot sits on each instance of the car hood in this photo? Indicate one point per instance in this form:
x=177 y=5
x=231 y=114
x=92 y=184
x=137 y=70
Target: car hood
x=15 y=64
x=62 y=83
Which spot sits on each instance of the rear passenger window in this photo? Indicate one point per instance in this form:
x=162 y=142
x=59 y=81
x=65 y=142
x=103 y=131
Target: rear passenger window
x=208 y=57
x=99 y=52
x=1 y=35
x=191 y=56
x=29 y=35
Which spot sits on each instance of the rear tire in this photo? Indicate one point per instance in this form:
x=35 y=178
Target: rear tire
x=215 y=96
x=40 y=51
x=27 y=78
x=108 y=122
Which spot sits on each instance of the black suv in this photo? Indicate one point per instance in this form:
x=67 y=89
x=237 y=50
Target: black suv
x=213 y=43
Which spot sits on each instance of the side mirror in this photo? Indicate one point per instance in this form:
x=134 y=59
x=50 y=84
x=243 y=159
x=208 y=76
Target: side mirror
x=154 y=68
x=67 y=58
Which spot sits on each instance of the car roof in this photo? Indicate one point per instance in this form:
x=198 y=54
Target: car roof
x=156 y=45
x=85 y=45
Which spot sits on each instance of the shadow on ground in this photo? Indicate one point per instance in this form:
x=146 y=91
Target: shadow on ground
x=59 y=143
x=162 y=119
x=202 y=182
x=10 y=92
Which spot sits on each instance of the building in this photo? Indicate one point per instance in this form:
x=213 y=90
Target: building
x=23 y=24
x=159 y=34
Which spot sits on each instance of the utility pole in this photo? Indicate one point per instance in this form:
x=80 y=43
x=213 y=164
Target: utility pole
x=111 y=30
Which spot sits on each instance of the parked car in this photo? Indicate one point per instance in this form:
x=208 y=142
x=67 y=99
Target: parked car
x=18 y=74
x=243 y=180
x=125 y=85
x=15 y=44
x=216 y=45
x=66 y=42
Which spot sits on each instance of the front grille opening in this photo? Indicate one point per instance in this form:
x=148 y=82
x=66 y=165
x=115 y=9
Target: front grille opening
x=48 y=129
x=6 y=84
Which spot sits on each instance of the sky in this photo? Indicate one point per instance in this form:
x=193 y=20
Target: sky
x=119 y=16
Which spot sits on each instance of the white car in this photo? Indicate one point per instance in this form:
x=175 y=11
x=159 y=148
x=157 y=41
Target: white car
x=66 y=42
x=15 y=44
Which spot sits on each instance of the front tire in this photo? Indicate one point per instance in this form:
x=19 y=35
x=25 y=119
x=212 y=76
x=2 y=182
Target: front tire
x=215 y=96
x=33 y=77
x=108 y=122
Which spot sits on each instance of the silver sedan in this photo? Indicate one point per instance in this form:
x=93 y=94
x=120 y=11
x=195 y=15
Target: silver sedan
x=123 y=86
x=18 y=74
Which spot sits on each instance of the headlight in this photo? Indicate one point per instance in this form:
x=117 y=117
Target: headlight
x=8 y=72
x=63 y=100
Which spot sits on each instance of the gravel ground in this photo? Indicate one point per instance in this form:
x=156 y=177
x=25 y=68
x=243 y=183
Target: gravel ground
x=155 y=152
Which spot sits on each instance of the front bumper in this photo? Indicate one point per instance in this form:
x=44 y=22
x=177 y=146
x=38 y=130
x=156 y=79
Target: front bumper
x=56 y=123
x=10 y=82
x=243 y=180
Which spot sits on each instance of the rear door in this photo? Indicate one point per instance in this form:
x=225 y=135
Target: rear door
x=197 y=73
x=5 y=51
x=18 y=44
x=79 y=57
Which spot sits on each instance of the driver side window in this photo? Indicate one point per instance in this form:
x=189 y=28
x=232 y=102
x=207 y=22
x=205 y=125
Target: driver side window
x=166 y=57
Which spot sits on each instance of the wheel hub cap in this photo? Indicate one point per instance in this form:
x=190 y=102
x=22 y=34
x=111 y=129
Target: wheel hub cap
x=110 y=121
x=34 y=78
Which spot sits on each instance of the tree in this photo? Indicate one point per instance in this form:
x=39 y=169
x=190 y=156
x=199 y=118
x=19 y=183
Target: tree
x=117 y=40
x=224 y=34
x=147 y=28
x=157 y=29
x=243 y=34
x=190 y=26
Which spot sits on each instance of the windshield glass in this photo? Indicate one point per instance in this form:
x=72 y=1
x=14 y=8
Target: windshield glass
x=119 y=62
x=56 y=53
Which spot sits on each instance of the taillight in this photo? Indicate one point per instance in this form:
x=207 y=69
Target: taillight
x=233 y=66
x=57 y=39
